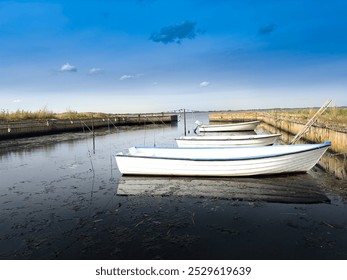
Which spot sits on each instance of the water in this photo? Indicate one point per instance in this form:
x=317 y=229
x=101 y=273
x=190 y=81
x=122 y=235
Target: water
x=58 y=200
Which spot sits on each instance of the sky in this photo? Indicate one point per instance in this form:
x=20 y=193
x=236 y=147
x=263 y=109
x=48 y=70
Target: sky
x=138 y=56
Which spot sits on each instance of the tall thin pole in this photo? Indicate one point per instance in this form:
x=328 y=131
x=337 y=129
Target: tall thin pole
x=185 y=122
x=93 y=134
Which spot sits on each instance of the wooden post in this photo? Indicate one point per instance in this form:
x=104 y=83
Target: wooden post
x=93 y=134
x=185 y=122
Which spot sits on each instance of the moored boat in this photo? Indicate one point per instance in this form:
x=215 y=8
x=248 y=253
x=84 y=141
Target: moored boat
x=227 y=141
x=230 y=161
x=242 y=126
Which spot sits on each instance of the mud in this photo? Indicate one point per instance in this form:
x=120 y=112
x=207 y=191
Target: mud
x=58 y=200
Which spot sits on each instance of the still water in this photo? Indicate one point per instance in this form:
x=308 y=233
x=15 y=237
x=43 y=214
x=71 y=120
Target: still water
x=59 y=199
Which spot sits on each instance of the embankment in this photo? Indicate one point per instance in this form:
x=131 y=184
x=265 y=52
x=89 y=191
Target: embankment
x=27 y=128
x=318 y=133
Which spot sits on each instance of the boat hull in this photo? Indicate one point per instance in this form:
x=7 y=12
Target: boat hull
x=230 y=162
x=245 y=126
x=227 y=141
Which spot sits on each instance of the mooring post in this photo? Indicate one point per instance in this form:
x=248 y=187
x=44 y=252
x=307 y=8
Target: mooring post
x=185 y=122
x=93 y=134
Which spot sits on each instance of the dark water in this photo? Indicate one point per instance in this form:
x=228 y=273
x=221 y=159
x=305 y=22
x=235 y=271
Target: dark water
x=58 y=200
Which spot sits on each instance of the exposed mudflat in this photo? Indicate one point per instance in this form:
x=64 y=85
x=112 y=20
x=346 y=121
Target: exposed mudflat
x=59 y=199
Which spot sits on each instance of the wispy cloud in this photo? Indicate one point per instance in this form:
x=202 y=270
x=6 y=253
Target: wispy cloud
x=126 y=77
x=175 y=33
x=17 y=101
x=94 y=71
x=267 y=29
x=67 y=68
x=129 y=77
x=204 y=84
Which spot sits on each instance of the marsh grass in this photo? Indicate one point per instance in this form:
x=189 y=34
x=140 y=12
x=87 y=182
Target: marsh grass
x=45 y=114
x=27 y=115
x=334 y=116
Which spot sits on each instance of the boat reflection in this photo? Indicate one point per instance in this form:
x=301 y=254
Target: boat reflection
x=299 y=188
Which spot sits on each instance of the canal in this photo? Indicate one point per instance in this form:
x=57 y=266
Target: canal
x=61 y=197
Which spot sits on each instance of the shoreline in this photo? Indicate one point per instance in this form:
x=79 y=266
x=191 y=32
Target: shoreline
x=318 y=132
x=29 y=128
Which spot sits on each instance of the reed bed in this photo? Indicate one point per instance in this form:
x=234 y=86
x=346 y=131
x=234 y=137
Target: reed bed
x=332 y=117
x=45 y=114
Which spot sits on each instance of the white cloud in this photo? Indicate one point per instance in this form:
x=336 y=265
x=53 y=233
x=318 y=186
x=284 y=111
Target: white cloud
x=204 y=84
x=96 y=71
x=68 y=68
x=17 y=101
x=126 y=77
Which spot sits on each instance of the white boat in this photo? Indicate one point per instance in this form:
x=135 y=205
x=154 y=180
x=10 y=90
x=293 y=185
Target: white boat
x=226 y=133
x=227 y=141
x=242 y=126
x=234 y=161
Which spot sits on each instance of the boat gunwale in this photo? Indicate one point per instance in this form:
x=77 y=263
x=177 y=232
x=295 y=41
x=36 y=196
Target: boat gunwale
x=228 y=138
x=318 y=147
x=228 y=124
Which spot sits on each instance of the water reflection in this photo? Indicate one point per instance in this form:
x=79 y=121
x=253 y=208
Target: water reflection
x=49 y=143
x=300 y=188
x=335 y=164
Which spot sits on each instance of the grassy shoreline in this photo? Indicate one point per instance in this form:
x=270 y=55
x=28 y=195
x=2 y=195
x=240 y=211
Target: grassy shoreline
x=44 y=114
x=22 y=115
x=332 y=116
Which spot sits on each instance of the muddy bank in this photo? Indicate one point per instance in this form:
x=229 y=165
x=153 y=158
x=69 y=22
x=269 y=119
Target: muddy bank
x=80 y=226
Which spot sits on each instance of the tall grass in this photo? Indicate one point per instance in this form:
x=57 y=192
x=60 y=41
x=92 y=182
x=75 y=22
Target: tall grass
x=27 y=115
x=45 y=114
x=332 y=116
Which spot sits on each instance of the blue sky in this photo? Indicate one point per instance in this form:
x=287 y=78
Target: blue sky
x=132 y=56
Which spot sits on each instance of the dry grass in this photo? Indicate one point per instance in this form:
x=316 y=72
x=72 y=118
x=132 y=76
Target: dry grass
x=45 y=114
x=334 y=116
x=26 y=115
